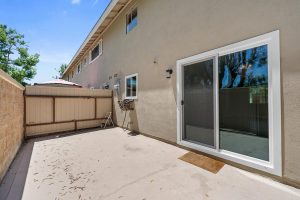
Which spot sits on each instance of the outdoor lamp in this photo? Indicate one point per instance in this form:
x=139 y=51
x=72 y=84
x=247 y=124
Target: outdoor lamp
x=169 y=72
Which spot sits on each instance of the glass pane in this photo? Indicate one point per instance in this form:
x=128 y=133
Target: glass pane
x=133 y=86
x=199 y=103
x=128 y=21
x=129 y=18
x=95 y=52
x=243 y=102
x=133 y=23
x=134 y=13
x=128 y=88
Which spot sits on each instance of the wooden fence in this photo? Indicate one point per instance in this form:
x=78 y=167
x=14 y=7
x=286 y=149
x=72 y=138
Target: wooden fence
x=55 y=109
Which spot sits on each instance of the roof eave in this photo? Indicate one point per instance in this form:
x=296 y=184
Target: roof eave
x=108 y=11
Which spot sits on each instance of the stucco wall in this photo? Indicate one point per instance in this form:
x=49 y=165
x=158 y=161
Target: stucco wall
x=11 y=120
x=171 y=30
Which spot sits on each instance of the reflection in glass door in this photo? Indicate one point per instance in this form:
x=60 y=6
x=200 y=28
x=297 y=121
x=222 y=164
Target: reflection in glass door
x=243 y=102
x=198 y=103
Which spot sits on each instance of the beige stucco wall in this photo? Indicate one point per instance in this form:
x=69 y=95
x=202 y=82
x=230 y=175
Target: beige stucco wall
x=171 y=30
x=11 y=120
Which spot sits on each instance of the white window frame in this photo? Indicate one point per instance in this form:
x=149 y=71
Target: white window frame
x=83 y=64
x=130 y=13
x=137 y=83
x=274 y=165
x=100 y=43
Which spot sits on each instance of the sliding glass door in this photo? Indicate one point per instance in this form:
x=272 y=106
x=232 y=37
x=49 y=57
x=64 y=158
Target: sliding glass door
x=243 y=102
x=198 y=103
x=229 y=102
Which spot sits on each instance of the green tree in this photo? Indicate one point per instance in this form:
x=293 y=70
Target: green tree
x=14 y=56
x=61 y=69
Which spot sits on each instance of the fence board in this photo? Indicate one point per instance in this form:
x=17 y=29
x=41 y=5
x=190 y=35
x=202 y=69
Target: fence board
x=103 y=106
x=88 y=124
x=50 y=128
x=34 y=106
x=74 y=109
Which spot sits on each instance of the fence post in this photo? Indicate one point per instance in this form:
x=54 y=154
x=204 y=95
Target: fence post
x=53 y=108
x=95 y=107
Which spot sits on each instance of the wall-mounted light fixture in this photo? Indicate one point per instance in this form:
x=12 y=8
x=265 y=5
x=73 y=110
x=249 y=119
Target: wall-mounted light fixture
x=169 y=72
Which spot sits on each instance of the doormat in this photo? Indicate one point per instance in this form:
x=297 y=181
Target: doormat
x=203 y=162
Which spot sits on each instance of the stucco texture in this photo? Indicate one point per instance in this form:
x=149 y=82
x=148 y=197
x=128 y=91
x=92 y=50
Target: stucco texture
x=170 y=30
x=11 y=120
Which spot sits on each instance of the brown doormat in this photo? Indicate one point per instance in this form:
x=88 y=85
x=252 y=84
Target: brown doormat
x=204 y=162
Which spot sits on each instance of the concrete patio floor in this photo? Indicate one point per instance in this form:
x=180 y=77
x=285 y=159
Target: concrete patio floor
x=112 y=164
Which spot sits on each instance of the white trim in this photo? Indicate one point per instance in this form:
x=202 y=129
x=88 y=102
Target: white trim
x=274 y=165
x=80 y=68
x=216 y=103
x=100 y=43
x=137 y=83
x=84 y=64
x=101 y=46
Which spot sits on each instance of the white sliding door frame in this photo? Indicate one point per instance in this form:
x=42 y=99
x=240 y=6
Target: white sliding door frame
x=274 y=165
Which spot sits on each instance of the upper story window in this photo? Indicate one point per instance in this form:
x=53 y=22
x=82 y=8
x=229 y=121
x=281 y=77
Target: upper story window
x=96 y=51
x=68 y=77
x=131 y=86
x=73 y=73
x=84 y=62
x=78 y=68
x=131 y=20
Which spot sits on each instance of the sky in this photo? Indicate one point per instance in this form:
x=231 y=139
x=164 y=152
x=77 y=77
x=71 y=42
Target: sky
x=55 y=29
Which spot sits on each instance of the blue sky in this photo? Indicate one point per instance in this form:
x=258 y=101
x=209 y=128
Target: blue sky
x=55 y=29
